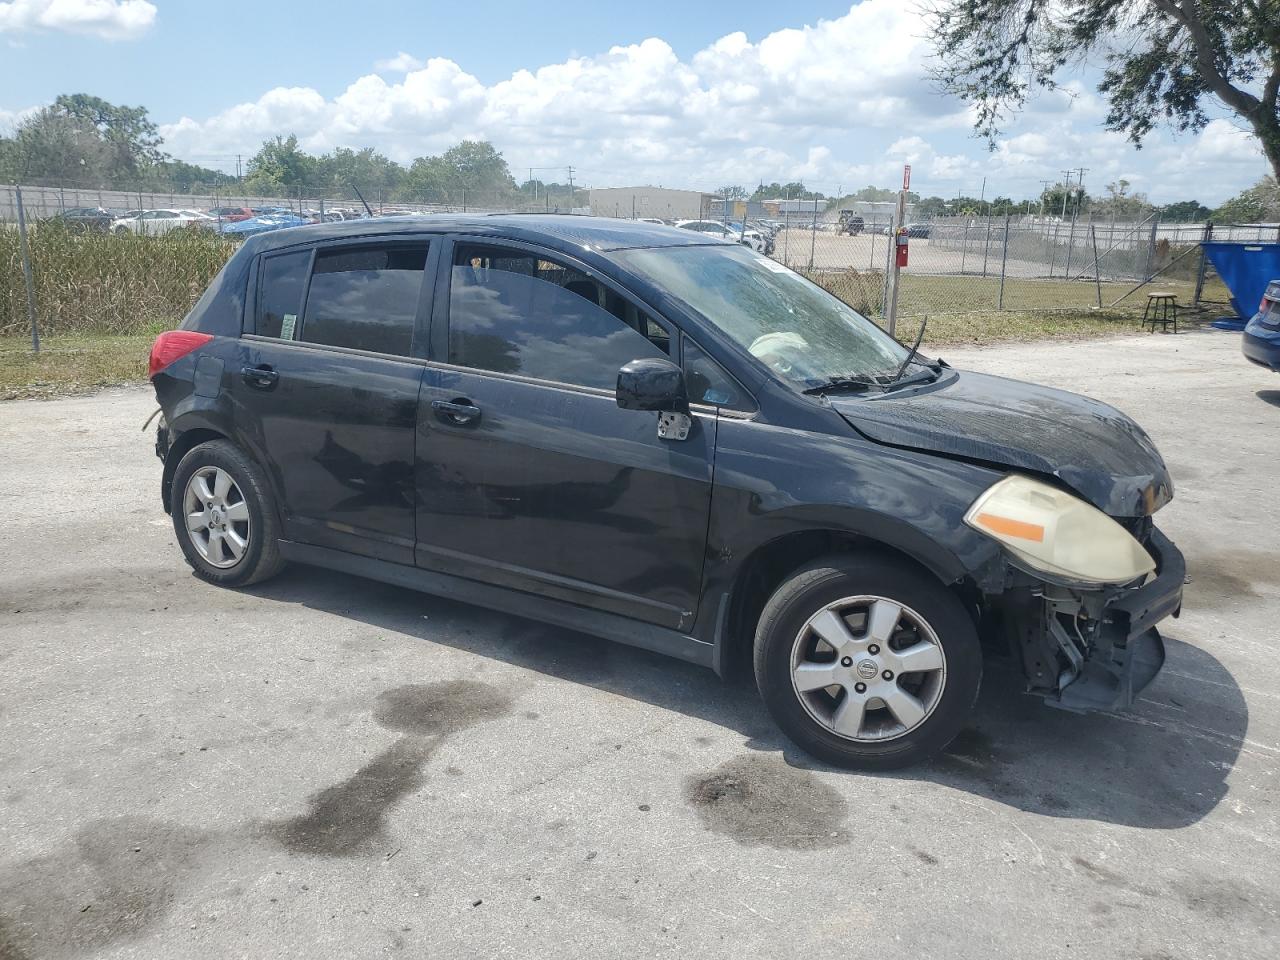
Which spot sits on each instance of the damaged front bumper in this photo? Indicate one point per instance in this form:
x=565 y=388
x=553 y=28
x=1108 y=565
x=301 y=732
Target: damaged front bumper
x=1096 y=649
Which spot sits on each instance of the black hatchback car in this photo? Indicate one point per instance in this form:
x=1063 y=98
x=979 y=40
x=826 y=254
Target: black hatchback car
x=633 y=431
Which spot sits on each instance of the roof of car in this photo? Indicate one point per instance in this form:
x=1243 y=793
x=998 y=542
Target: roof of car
x=565 y=230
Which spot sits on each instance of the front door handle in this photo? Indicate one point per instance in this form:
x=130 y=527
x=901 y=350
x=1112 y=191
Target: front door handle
x=457 y=412
x=263 y=377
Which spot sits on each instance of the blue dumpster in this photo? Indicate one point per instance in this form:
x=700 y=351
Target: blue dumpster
x=1246 y=269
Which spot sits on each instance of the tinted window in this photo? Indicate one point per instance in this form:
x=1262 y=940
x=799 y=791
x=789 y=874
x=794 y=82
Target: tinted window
x=365 y=298
x=707 y=381
x=280 y=292
x=512 y=312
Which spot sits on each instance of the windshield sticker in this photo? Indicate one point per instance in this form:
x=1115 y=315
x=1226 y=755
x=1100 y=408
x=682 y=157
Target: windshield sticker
x=286 y=328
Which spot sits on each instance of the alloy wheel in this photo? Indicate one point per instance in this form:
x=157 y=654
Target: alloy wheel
x=217 y=516
x=868 y=669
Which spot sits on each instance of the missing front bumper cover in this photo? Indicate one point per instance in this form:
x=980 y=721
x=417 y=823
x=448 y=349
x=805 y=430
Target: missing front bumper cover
x=1086 y=651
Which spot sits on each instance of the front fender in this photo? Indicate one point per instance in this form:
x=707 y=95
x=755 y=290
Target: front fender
x=771 y=482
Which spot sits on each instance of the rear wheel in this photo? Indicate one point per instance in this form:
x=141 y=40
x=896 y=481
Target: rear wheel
x=223 y=515
x=867 y=662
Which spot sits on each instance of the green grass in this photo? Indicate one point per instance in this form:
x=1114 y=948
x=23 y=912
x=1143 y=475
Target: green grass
x=71 y=364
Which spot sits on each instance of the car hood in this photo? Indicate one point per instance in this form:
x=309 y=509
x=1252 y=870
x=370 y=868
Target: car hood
x=1091 y=447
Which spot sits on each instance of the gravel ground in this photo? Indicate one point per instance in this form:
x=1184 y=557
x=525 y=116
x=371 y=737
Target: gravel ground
x=325 y=767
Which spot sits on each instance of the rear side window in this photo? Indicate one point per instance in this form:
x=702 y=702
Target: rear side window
x=365 y=298
x=516 y=312
x=283 y=280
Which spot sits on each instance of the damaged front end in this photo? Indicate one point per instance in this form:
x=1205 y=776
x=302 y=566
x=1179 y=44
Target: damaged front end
x=1088 y=647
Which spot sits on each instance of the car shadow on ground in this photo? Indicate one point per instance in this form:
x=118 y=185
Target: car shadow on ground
x=1163 y=765
x=1269 y=396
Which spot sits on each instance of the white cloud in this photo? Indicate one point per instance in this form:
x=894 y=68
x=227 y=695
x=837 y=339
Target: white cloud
x=401 y=63
x=843 y=102
x=108 y=19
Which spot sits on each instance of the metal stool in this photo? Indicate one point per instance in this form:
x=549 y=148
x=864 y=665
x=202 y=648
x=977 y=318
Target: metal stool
x=1162 y=308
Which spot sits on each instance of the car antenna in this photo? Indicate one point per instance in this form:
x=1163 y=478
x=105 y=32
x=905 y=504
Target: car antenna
x=367 y=208
x=912 y=355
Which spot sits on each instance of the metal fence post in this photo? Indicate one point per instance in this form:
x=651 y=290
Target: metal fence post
x=26 y=271
x=1004 y=260
x=986 y=249
x=1097 y=270
x=1204 y=262
x=1151 y=246
x=964 y=247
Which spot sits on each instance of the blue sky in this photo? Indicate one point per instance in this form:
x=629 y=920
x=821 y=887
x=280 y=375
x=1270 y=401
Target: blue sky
x=694 y=94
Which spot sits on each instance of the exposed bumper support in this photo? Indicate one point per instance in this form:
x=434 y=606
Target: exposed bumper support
x=1126 y=651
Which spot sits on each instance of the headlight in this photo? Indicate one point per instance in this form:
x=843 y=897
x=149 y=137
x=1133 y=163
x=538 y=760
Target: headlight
x=1057 y=533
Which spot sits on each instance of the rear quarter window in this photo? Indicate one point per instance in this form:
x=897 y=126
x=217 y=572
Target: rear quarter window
x=365 y=298
x=280 y=287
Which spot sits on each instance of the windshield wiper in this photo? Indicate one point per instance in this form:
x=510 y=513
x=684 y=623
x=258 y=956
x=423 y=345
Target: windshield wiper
x=912 y=355
x=852 y=383
x=935 y=367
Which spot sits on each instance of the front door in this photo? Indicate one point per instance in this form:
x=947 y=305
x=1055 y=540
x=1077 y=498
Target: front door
x=327 y=392
x=529 y=475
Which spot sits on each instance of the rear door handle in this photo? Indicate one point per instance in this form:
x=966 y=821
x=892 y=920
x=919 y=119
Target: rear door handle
x=457 y=412
x=263 y=377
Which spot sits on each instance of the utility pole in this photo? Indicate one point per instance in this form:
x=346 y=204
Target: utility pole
x=571 y=194
x=1080 y=186
x=1066 y=191
x=239 y=179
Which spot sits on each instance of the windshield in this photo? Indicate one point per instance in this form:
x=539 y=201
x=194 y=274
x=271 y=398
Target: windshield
x=807 y=336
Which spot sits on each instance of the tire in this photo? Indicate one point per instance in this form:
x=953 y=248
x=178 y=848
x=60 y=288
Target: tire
x=254 y=525
x=863 y=591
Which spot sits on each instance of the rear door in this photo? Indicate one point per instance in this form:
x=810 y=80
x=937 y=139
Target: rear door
x=327 y=389
x=529 y=475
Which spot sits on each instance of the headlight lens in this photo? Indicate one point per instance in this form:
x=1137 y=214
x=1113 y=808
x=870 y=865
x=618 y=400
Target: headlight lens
x=1057 y=533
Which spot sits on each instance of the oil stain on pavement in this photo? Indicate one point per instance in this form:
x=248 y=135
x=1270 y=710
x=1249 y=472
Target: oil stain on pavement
x=118 y=876
x=758 y=800
x=349 y=818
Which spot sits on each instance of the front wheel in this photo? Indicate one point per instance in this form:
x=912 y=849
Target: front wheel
x=867 y=662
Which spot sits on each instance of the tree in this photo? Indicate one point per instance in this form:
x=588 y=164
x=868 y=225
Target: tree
x=1120 y=204
x=795 y=190
x=368 y=170
x=1185 y=211
x=1259 y=204
x=279 y=164
x=471 y=172
x=130 y=140
x=1064 y=197
x=49 y=145
x=931 y=207
x=732 y=193
x=1166 y=60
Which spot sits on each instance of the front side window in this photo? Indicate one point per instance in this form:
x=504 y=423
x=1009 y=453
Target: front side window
x=280 y=287
x=707 y=382
x=365 y=298
x=804 y=334
x=517 y=312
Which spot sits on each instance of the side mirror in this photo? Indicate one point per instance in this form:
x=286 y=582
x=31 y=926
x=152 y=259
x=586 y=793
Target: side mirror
x=658 y=385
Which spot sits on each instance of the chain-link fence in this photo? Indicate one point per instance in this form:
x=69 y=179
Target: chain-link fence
x=963 y=265
x=1001 y=267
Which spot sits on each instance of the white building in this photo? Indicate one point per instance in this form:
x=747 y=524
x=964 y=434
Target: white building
x=657 y=202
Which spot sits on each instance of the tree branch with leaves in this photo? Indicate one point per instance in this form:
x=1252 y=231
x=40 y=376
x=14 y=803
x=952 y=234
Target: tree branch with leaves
x=1165 y=62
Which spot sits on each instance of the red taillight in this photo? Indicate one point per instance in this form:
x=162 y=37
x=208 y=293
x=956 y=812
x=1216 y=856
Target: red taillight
x=171 y=345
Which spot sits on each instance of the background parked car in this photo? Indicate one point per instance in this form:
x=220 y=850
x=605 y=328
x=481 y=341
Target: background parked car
x=231 y=214
x=729 y=232
x=153 y=223
x=86 y=219
x=1261 y=343
x=263 y=224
